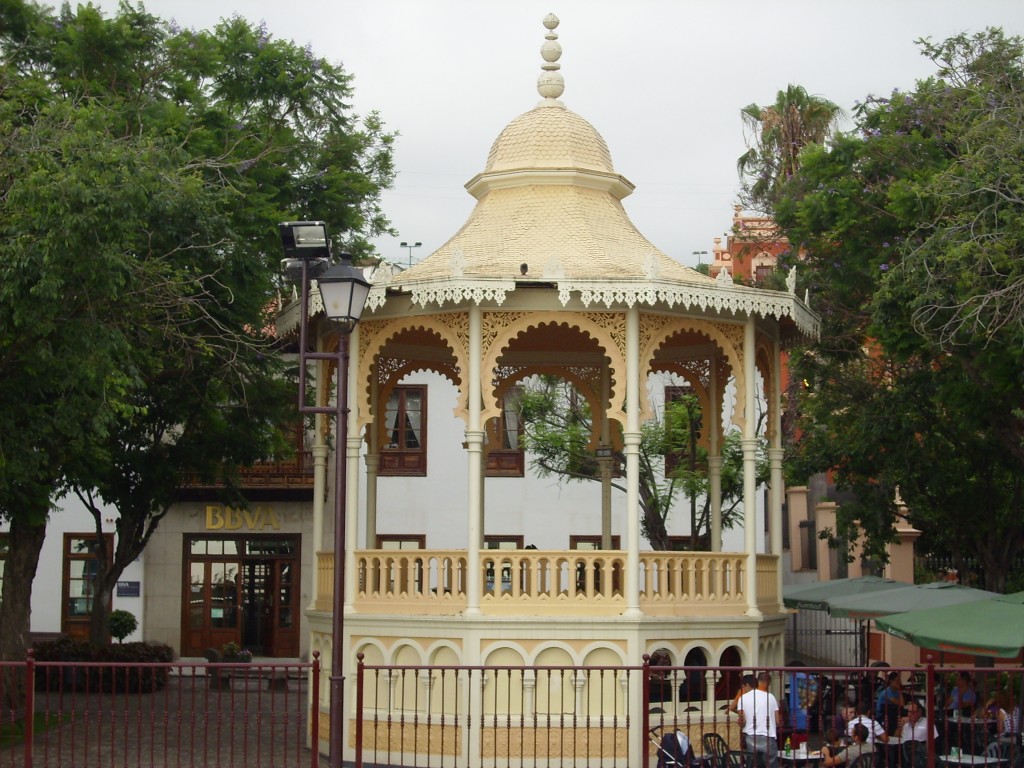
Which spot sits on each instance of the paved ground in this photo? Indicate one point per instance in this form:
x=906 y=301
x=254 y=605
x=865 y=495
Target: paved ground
x=243 y=724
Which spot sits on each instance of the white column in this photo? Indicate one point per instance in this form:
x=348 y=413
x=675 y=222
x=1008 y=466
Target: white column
x=474 y=449
x=749 y=443
x=319 y=451
x=354 y=443
x=775 y=454
x=604 y=463
x=631 y=438
x=372 y=471
x=372 y=468
x=714 y=422
x=529 y=694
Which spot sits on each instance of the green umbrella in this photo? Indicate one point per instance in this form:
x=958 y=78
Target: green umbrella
x=816 y=596
x=913 y=598
x=983 y=628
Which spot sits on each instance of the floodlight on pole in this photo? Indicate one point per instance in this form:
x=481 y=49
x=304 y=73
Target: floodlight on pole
x=343 y=290
x=700 y=256
x=410 y=246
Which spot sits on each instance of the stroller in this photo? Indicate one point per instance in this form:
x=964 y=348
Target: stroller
x=674 y=749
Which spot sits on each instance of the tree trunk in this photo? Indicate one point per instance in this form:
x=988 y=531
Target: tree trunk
x=102 y=598
x=25 y=541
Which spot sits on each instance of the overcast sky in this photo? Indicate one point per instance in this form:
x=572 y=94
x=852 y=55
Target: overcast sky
x=662 y=81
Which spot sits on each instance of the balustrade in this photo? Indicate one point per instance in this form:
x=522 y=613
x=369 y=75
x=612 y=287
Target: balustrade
x=551 y=582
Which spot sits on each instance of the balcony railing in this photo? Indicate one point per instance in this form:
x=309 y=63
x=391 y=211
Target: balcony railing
x=551 y=582
x=292 y=473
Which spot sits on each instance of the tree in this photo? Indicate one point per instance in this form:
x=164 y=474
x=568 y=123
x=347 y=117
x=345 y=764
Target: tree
x=911 y=234
x=779 y=132
x=557 y=430
x=133 y=336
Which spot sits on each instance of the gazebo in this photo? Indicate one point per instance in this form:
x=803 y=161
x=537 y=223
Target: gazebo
x=549 y=276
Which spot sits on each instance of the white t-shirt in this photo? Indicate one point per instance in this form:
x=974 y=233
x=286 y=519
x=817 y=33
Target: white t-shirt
x=875 y=728
x=918 y=731
x=759 y=710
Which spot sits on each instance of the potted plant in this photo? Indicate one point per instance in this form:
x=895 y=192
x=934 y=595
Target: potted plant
x=233 y=653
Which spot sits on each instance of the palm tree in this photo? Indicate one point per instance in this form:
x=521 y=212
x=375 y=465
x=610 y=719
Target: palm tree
x=779 y=132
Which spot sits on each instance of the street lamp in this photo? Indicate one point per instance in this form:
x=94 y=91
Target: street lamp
x=410 y=246
x=343 y=290
x=700 y=256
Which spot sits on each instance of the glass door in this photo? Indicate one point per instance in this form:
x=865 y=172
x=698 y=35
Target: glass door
x=213 y=606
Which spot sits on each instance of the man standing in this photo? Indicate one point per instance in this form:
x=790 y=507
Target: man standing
x=759 y=717
x=889 y=704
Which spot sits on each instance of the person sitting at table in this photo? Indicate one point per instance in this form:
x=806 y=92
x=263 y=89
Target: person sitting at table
x=1014 y=726
x=996 y=709
x=890 y=703
x=964 y=698
x=832 y=751
x=915 y=725
x=874 y=729
x=914 y=735
x=860 y=743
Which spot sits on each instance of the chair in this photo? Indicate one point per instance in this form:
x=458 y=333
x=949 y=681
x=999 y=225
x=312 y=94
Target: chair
x=715 y=745
x=915 y=754
x=864 y=760
x=741 y=758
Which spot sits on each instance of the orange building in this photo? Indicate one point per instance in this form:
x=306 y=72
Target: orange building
x=752 y=249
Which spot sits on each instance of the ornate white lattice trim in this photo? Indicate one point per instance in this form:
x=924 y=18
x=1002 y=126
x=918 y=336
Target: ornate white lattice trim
x=736 y=299
x=450 y=292
x=720 y=297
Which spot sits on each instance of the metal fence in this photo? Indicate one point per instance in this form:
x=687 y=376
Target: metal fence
x=815 y=637
x=180 y=714
x=626 y=716
x=78 y=714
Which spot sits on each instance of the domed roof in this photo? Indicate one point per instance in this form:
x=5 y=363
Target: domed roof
x=549 y=136
x=549 y=205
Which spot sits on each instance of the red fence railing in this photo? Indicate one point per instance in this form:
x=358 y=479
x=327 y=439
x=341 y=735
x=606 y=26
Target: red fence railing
x=158 y=714
x=254 y=715
x=624 y=716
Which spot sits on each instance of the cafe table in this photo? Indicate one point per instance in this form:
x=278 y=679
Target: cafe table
x=801 y=757
x=966 y=758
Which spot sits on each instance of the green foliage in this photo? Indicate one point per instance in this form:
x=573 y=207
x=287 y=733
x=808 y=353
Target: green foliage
x=778 y=134
x=122 y=623
x=145 y=169
x=234 y=653
x=12 y=731
x=558 y=428
x=910 y=232
x=117 y=667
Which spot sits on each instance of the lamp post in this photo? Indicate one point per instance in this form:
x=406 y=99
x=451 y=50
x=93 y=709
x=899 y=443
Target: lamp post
x=343 y=290
x=700 y=256
x=410 y=246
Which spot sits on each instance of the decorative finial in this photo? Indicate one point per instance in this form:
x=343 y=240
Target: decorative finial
x=550 y=84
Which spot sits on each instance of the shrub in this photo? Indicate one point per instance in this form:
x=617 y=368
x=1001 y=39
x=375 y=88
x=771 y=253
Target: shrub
x=121 y=624
x=119 y=675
